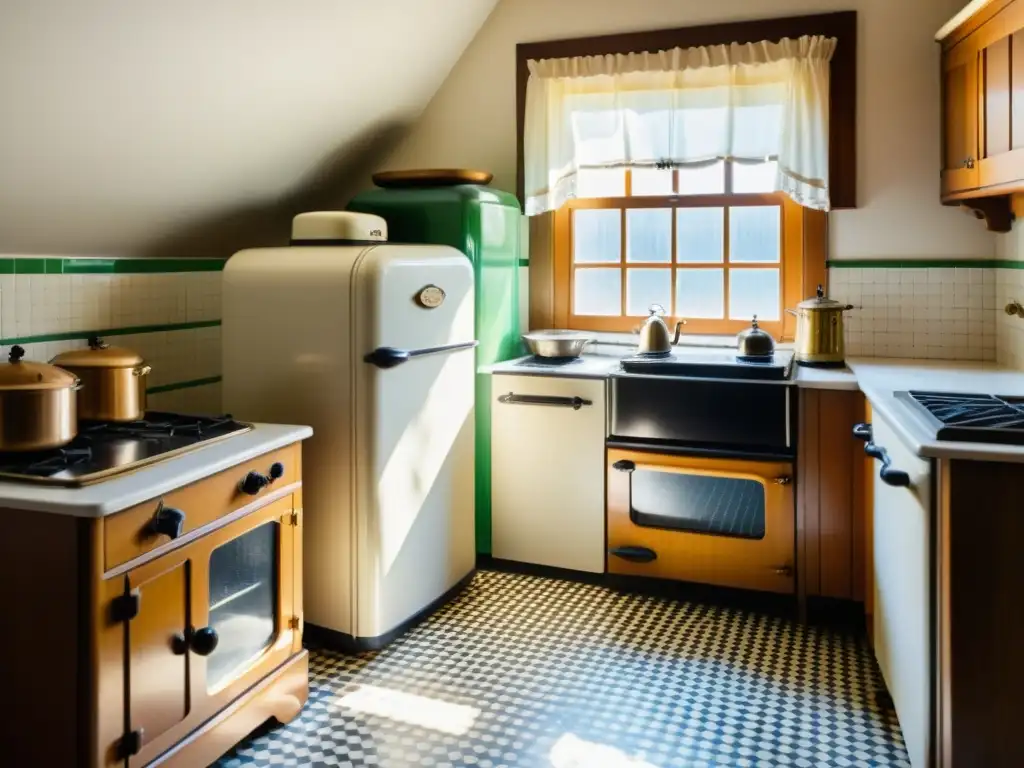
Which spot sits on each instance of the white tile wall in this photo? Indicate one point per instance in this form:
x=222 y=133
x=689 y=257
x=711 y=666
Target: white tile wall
x=1009 y=328
x=943 y=313
x=35 y=305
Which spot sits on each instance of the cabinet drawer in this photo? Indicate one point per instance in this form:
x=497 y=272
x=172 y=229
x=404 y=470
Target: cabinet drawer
x=129 y=534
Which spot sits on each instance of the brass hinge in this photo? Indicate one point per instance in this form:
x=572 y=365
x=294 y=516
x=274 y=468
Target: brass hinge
x=294 y=622
x=292 y=518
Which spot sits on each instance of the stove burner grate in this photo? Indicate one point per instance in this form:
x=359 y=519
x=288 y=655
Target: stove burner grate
x=971 y=417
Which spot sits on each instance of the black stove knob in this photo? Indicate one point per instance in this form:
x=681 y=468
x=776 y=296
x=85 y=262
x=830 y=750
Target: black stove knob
x=276 y=471
x=253 y=483
x=204 y=641
x=167 y=521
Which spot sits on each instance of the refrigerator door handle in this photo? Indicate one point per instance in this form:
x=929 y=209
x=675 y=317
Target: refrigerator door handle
x=389 y=357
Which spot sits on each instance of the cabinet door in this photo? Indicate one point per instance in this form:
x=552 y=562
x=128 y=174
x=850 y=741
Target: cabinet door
x=158 y=666
x=960 y=100
x=547 y=465
x=902 y=590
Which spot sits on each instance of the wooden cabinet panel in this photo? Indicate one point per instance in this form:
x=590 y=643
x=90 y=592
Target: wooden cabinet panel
x=158 y=662
x=1017 y=90
x=997 y=97
x=830 y=495
x=128 y=534
x=960 y=121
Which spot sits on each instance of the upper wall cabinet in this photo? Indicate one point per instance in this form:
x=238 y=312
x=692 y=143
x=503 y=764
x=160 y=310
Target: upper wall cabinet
x=983 y=108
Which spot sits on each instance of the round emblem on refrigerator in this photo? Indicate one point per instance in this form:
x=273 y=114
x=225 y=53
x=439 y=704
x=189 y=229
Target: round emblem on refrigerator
x=431 y=297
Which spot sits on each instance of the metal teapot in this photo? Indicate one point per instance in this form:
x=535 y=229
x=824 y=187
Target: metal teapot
x=654 y=334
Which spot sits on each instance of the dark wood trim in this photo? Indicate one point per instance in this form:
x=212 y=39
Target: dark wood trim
x=996 y=212
x=843 y=98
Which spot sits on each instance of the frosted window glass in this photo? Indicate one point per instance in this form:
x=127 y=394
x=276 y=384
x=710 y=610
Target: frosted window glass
x=601 y=182
x=700 y=293
x=754 y=233
x=645 y=287
x=754 y=292
x=708 y=180
x=651 y=181
x=700 y=234
x=596 y=236
x=597 y=292
x=754 y=178
x=649 y=235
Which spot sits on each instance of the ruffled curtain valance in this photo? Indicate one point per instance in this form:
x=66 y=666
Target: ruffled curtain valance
x=682 y=107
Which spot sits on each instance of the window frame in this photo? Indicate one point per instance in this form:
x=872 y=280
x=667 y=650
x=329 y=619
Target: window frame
x=791 y=261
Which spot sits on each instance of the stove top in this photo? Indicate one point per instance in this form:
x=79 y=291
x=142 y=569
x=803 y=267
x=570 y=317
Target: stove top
x=721 y=363
x=970 y=417
x=106 y=448
x=536 y=361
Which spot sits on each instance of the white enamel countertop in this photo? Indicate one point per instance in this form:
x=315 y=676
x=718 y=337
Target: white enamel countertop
x=109 y=496
x=878 y=378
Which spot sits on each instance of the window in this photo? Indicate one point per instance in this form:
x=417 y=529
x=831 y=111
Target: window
x=708 y=244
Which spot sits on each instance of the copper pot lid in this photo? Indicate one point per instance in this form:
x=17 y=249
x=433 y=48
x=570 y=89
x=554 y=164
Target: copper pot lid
x=822 y=302
x=431 y=177
x=19 y=374
x=98 y=354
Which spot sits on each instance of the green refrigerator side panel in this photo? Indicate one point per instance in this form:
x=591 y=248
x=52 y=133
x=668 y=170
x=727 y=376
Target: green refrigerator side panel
x=483 y=223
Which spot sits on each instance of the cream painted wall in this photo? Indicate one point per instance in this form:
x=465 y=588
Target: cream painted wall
x=471 y=120
x=195 y=127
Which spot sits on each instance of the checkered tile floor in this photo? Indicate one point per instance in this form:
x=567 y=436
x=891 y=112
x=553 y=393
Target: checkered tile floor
x=527 y=671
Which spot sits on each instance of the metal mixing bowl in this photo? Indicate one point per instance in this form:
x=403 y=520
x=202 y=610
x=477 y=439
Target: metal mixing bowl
x=556 y=343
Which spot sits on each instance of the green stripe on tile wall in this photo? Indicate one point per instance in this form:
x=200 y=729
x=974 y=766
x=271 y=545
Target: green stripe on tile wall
x=924 y=264
x=27 y=265
x=126 y=331
x=183 y=385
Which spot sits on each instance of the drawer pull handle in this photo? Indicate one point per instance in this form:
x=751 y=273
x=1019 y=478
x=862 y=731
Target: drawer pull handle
x=254 y=482
x=862 y=431
x=167 y=521
x=204 y=641
x=783 y=570
x=624 y=465
x=783 y=480
x=635 y=554
x=894 y=477
x=556 y=402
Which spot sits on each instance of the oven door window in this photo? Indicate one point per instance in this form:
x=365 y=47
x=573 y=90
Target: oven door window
x=243 y=602
x=723 y=506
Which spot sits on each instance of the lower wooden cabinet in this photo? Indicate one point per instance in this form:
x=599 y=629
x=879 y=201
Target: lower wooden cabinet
x=831 y=521
x=169 y=658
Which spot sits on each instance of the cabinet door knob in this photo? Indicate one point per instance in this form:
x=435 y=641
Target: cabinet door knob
x=204 y=641
x=167 y=521
x=783 y=570
x=783 y=480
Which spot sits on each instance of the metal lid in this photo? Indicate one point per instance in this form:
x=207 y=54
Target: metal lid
x=821 y=301
x=332 y=226
x=755 y=341
x=98 y=354
x=25 y=374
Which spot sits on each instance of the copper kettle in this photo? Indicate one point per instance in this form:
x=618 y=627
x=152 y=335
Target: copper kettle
x=654 y=334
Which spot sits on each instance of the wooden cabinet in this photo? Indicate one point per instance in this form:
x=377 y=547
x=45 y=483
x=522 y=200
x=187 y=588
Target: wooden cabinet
x=547 y=471
x=831 y=524
x=169 y=656
x=983 y=111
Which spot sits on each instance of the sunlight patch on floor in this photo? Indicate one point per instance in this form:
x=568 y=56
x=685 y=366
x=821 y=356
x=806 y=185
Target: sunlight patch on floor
x=420 y=711
x=570 y=751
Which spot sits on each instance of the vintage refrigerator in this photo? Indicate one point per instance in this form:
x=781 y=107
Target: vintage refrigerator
x=484 y=224
x=372 y=344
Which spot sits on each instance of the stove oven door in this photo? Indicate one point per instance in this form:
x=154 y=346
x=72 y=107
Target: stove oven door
x=727 y=522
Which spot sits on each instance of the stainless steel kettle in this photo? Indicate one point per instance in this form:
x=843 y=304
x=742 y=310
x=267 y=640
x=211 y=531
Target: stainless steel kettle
x=654 y=334
x=754 y=342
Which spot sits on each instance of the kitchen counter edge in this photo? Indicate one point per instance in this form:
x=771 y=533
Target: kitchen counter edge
x=110 y=496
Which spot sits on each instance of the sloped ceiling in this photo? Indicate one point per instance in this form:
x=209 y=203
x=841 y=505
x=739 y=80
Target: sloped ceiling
x=195 y=127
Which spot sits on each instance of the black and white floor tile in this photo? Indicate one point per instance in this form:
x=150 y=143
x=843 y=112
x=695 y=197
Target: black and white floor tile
x=527 y=671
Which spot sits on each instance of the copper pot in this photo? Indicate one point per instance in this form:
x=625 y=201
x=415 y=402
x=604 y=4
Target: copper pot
x=819 y=331
x=37 y=404
x=113 y=381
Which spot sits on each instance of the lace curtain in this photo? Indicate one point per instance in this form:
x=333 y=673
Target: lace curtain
x=747 y=103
